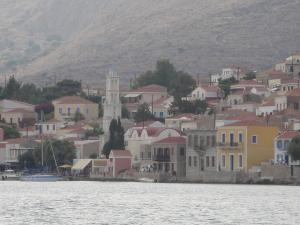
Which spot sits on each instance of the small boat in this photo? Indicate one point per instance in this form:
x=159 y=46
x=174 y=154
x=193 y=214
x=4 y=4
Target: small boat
x=41 y=178
x=148 y=180
x=10 y=175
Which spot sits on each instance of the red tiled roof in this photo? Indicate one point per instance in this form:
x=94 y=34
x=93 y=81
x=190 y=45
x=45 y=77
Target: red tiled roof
x=151 y=88
x=145 y=123
x=294 y=92
x=19 y=110
x=72 y=100
x=269 y=103
x=261 y=88
x=15 y=140
x=172 y=140
x=246 y=123
x=184 y=115
x=289 y=134
x=210 y=88
x=289 y=81
x=121 y=153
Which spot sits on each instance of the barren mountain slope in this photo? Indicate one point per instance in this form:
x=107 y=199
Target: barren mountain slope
x=82 y=39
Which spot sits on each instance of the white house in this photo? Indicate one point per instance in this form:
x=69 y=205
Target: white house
x=280 y=102
x=282 y=142
x=205 y=92
x=267 y=108
x=136 y=138
x=232 y=71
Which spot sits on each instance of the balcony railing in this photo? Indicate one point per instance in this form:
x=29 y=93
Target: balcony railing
x=230 y=145
x=161 y=158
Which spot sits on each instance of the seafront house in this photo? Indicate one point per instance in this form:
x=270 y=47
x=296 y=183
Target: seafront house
x=119 y=161
x=201 y=152
x=244 y=144
x=165 y=156
x=66 y=107
x=18 y=113
x=281 y=144
x=136 y=137
x=178 y=120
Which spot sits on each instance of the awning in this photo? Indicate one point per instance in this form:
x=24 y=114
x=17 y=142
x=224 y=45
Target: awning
x=81 y=164
x=132 y=95
x=65 y=166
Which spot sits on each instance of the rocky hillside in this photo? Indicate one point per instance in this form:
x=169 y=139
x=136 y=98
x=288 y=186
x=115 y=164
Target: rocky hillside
x=82 y=39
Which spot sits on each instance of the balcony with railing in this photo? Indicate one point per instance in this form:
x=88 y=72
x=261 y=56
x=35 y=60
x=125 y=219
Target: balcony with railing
x=161 y=158
x=230 y=145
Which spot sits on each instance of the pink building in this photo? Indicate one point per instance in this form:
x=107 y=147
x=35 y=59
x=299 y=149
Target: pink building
x=119 y=160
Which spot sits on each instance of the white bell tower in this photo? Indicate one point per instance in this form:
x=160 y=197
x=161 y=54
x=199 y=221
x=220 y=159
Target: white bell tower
x=112 y=104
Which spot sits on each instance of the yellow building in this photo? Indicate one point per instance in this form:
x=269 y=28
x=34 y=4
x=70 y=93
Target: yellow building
x=245 y=144
x=66 y=107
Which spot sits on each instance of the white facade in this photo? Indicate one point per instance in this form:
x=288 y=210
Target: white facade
x=203 y=93
x=112 y=104
x=265 y=110
x=281 y=156
x=215 y=78
x=235 y=72
x=136 y=138
x=280 y=102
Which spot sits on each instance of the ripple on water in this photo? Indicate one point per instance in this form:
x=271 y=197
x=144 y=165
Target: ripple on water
x=146 y=203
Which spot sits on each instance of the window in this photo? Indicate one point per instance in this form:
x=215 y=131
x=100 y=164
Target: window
x=240 y=161
x=207 y=140
x=231 y=139
x=201 y=141
x=190 y=161
x=149 y=155
x=286 y=144
x=69 y=111
x=53 y=126
x=223 y=138
x=60 y=110
x=172 y=151
x=47 y=126
x=279 y=144
x=161 y=114
x=254 y=139
x=240 y=138
x=78 y=109
x=213 y=141
x=213 y=161
x=182 y=151
x=195 y=161
x=195 y=140
x=190 y=137
x=87 y=111
x=223 y=161
x=142 y=155
x=207 y=161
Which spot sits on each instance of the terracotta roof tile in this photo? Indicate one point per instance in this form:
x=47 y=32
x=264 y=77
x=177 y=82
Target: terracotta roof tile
x=289 y=134
x=72 y=100
x=121 y=153
x=151 y=88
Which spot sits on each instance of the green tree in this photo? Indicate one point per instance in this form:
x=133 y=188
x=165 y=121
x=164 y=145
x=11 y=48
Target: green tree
x=182 y=85
x=250 y=75
x=69 y=87
x=116 y=137
x=78 y=116
x=27 y=160
x=294 y=148
x=64 y=152
x=125 y=113
x=11 y=91
x=195 y=107
x=143 y=113
x=10 y=132
x=225 y=84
